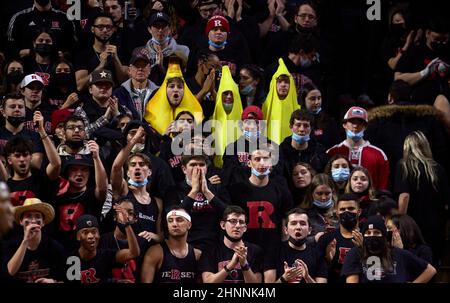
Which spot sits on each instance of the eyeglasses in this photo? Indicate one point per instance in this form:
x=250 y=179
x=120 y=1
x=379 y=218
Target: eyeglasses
x=304 y=16
x=236 y=221
x=102 y=27
x=74 y=127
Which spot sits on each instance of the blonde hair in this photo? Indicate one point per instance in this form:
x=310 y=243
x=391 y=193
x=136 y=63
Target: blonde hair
x=416 y=150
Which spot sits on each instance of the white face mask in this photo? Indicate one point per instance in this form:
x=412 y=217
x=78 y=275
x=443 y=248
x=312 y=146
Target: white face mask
x=137 y=148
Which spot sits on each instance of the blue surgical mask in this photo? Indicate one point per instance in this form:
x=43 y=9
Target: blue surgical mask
x=323 y=205
x=317 y=111
x=305 y=63
x=138 y=184
x=260 y=175
x=166 y=40
x=300 y=139
x=217 y=45
x=355 y=137
x=227 y=106
x=188 y=182
x=251 y=135
x=247 y=90
x=340 y=174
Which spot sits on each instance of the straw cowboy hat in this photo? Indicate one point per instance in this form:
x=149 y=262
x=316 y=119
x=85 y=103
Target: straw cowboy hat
x=34 y=204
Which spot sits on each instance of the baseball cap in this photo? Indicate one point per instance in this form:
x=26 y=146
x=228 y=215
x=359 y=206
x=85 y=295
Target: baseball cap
x=374 y=222
x=252 y=112
x=217 y=21
x=356 y=112
x=59 y=116
x=158 y=17
x=28 y=79
x=81 y=160
x=102 y=75
x=86 y=221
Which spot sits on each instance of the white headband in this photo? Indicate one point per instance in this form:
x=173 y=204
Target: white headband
x=178 y=213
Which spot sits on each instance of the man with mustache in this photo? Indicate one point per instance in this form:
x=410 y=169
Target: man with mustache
x=102 y=54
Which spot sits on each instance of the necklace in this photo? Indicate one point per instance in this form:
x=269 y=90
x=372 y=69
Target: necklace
x=179 y=255
x=43 y=70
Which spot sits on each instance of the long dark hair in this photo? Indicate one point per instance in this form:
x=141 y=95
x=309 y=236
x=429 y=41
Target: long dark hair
x=257 y=73
x=54 y=54
x=409 y=231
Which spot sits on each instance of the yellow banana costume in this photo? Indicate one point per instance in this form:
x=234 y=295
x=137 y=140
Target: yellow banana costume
x=226 y=133
x=278 y=112
x=159 y=113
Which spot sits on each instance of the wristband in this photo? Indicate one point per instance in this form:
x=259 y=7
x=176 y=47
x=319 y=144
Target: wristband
x=424 y=73
x=226 y=269
x=42 y=138
x=283 y=280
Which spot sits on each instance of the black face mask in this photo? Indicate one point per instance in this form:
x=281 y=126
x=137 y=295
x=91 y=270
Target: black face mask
x=16 y=121
x=398 y=30
x=43 y=2
x=439 y=47
x=62 y=79
x=43 y=49
x=14 y=77
x=297 y=243
x=374 y=245
x=75 y=144
x=348 y=220
x=234 y=240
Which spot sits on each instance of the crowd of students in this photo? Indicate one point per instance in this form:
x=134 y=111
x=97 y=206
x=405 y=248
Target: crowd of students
x=216 y=141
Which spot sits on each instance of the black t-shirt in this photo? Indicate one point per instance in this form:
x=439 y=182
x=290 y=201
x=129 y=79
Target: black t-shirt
x=88 y=59
x=406 y=267
x=121 y=272
x=343 y=246
x=415 y=60
x=430 y=217
x=174 y=161
x=68 y=207
x=6 y=135
x=214 y=260
x=205 y=214
x=38 y=185
x=30 y=66
x=266 y=207
x=99 y=268
x=314 y=155
x=45 y=262
x=46 y=111
x=310 y=255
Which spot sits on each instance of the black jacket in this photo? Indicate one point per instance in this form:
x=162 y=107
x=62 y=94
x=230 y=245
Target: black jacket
x=389 y=125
